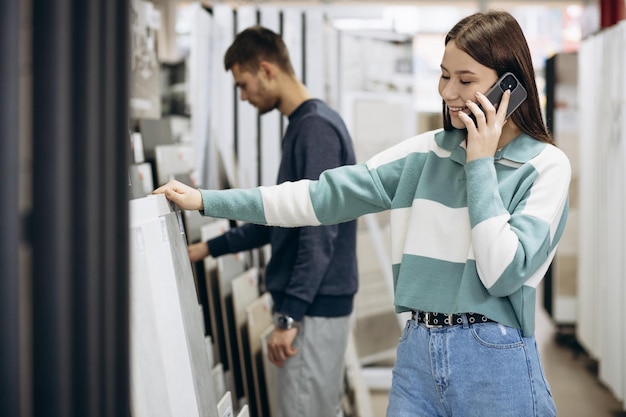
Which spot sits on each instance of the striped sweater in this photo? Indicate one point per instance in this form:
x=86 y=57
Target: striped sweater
x=466 y=237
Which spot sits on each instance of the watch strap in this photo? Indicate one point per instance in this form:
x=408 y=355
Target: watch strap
x=284 y=322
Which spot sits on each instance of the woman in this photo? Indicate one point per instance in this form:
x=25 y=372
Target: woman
x=477 y=210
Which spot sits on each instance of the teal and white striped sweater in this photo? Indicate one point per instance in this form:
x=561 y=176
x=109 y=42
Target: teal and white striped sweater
x=474 y=237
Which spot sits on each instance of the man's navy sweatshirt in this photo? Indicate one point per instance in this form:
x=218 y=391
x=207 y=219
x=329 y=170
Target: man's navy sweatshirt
x=312 y=270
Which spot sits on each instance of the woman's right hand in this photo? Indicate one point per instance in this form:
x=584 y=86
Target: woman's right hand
x=182 y=195
x=483 y=138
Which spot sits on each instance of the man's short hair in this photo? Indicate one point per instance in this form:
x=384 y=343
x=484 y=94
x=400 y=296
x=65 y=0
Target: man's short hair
x=256 y=44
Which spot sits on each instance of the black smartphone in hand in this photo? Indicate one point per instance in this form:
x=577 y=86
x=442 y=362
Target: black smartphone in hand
x=508 y=81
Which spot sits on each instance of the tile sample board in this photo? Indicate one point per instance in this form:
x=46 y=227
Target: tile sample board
x=269 y=373
x=173 y=160
x=225 y=406
x=170 y=370
x=259 y=314
x=244 y=412
x=228 y=268
x=217 y=373
x=141 y=181
x=207 y=232
x=219 y=273
x=245 y=291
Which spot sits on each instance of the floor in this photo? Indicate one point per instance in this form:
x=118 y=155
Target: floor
x=575 y=388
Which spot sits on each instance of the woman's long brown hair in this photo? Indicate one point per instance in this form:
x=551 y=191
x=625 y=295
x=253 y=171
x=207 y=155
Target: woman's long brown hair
x=495 y=40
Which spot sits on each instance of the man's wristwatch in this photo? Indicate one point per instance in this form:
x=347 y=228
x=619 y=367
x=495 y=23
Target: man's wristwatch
x=284 y=322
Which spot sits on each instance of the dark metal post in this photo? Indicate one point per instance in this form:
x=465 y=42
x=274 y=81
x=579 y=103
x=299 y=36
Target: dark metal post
x=80 y=217
x=10 y=381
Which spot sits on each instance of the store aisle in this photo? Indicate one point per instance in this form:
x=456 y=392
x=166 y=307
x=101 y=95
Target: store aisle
x=571 y=375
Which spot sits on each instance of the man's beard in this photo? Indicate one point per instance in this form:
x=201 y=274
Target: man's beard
x=266 y=107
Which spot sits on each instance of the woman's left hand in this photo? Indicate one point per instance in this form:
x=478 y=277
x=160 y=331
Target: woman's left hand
x=483 y=137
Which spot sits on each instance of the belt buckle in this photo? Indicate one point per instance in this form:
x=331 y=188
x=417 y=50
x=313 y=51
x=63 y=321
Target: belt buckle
x=427 y=322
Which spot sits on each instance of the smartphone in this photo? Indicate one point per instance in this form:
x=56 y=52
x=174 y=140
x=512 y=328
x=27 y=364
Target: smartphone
x=508 y=81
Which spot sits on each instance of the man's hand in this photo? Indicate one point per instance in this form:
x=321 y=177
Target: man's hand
x=182 y=195
x=198 y=251
x=280 y=346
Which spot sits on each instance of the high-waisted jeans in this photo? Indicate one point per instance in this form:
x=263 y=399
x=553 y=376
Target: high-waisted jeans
x=468 y=370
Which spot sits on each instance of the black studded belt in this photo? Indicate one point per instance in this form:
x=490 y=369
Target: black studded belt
x=437 y=320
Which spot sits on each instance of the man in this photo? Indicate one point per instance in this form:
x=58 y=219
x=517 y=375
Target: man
x=312 y=273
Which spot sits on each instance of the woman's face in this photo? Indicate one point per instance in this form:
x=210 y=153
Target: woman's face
x=461 y=78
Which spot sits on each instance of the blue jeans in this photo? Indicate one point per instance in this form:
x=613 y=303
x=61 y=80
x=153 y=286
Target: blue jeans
x=468 y=370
